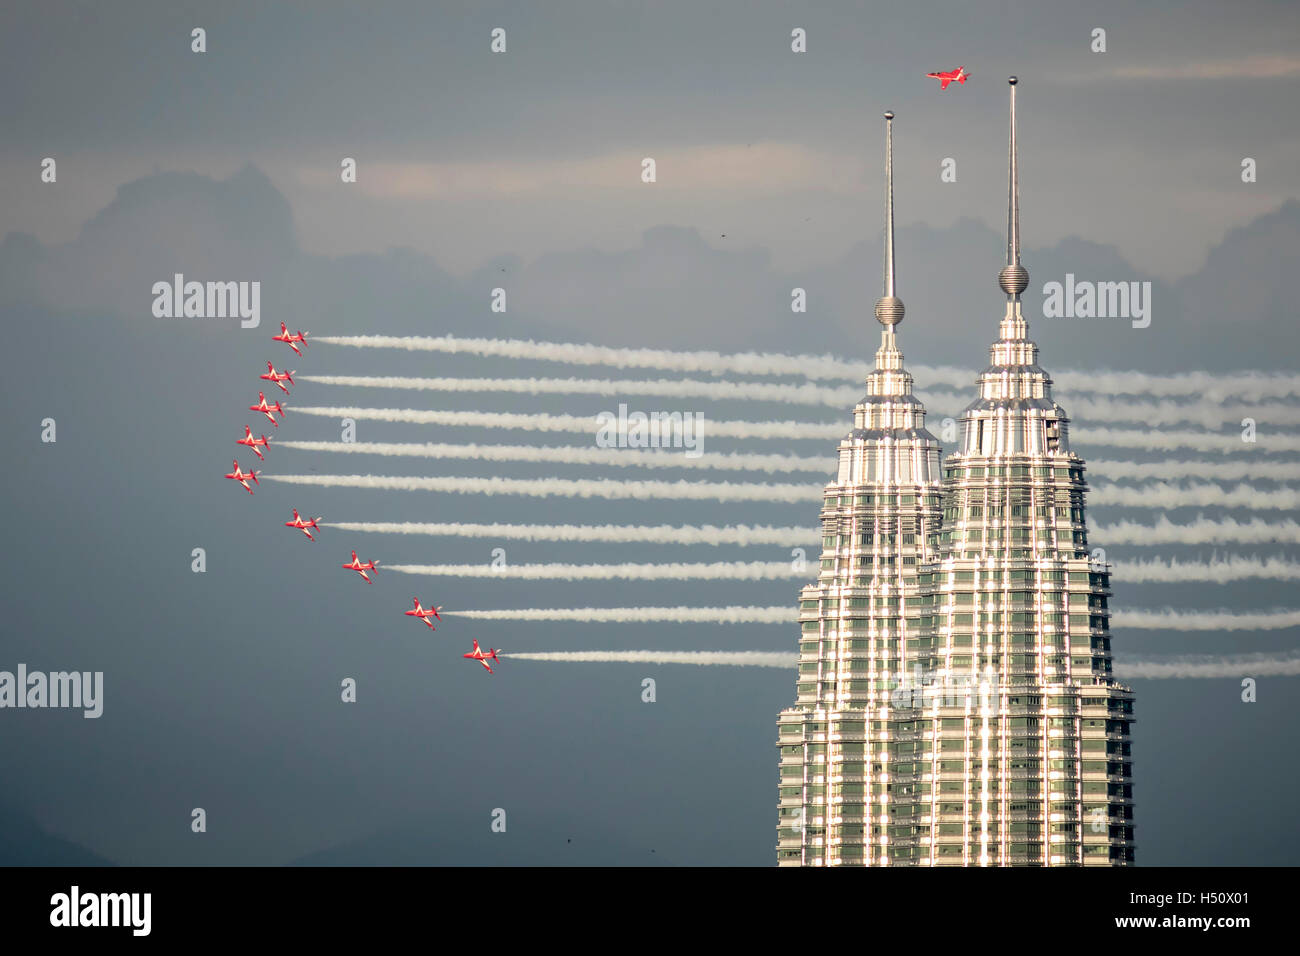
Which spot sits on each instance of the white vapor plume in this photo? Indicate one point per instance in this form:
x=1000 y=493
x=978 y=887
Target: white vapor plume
x=746 y=363
x=1286 y=664
x=582 y=424
x=1165 y=495
x=1210 y=386
x=1249 y=385
x=1167 y=619
x=1104 y=409
x=1160 y=439
x=702 y=658
x=708 y=571
x=575 y=455
x=1232 y=567
x=800 y=394
x=1181 y=667
x=741 y=535
x=635 y=615
x=1207 y=414
x=1200 y=531
x=566 y=487
x=1210 y=470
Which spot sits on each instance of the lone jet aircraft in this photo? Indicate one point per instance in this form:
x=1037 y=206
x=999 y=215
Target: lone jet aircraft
x=947 y=76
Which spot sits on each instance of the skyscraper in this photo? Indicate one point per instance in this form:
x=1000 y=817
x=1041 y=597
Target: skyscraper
x=1005 y=740
x=844 y=748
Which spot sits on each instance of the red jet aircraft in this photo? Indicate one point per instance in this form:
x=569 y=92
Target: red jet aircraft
x=252 y=442
x=242 y=476
x=425 y=613
x=267 y=410
x=481 y=657
x=278 y=377
x=947 y=76
x=290 y=339
x=361 y=567
x=302 y=524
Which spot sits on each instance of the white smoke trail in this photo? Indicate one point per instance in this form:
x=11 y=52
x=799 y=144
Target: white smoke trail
x=1217 y=471
x=1167 y=619
x=1165 y=440
x=1214 y=387
x=575 y=455
x=1205 y=665
x=710 y=571
x=702 y=658
x=746 y=363
x=582 y=424
x=1251 y=386
x=566 y=487
x=1165 y=495
x=1104 y=409
x=1200 y=531
x=1219 y=570
x=635 y=615
x=1207 y=414
x=1182 y=667
x=741 y=535
x=801 y=394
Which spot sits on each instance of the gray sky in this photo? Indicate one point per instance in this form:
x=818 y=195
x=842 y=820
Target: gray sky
x=522 y=170
x=465 y=154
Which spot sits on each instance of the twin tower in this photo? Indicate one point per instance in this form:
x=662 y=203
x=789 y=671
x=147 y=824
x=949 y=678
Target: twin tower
x=955 y=704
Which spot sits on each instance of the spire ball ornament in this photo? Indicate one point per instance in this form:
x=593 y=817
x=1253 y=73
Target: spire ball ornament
x=889 y=310
x=1013 y=279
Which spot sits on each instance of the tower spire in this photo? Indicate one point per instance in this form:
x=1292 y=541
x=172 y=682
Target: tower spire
x=1013 y=278
x=889 y=308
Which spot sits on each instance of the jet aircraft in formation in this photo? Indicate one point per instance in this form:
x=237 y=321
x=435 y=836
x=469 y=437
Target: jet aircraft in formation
x=267 y=410
x=361 y=567
x=307 y=525
x=425 y=613
x=253 y=443
x=242 y=476
x=279 y=378
x=483 y=656
x=302 y=524
x=292 y=339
